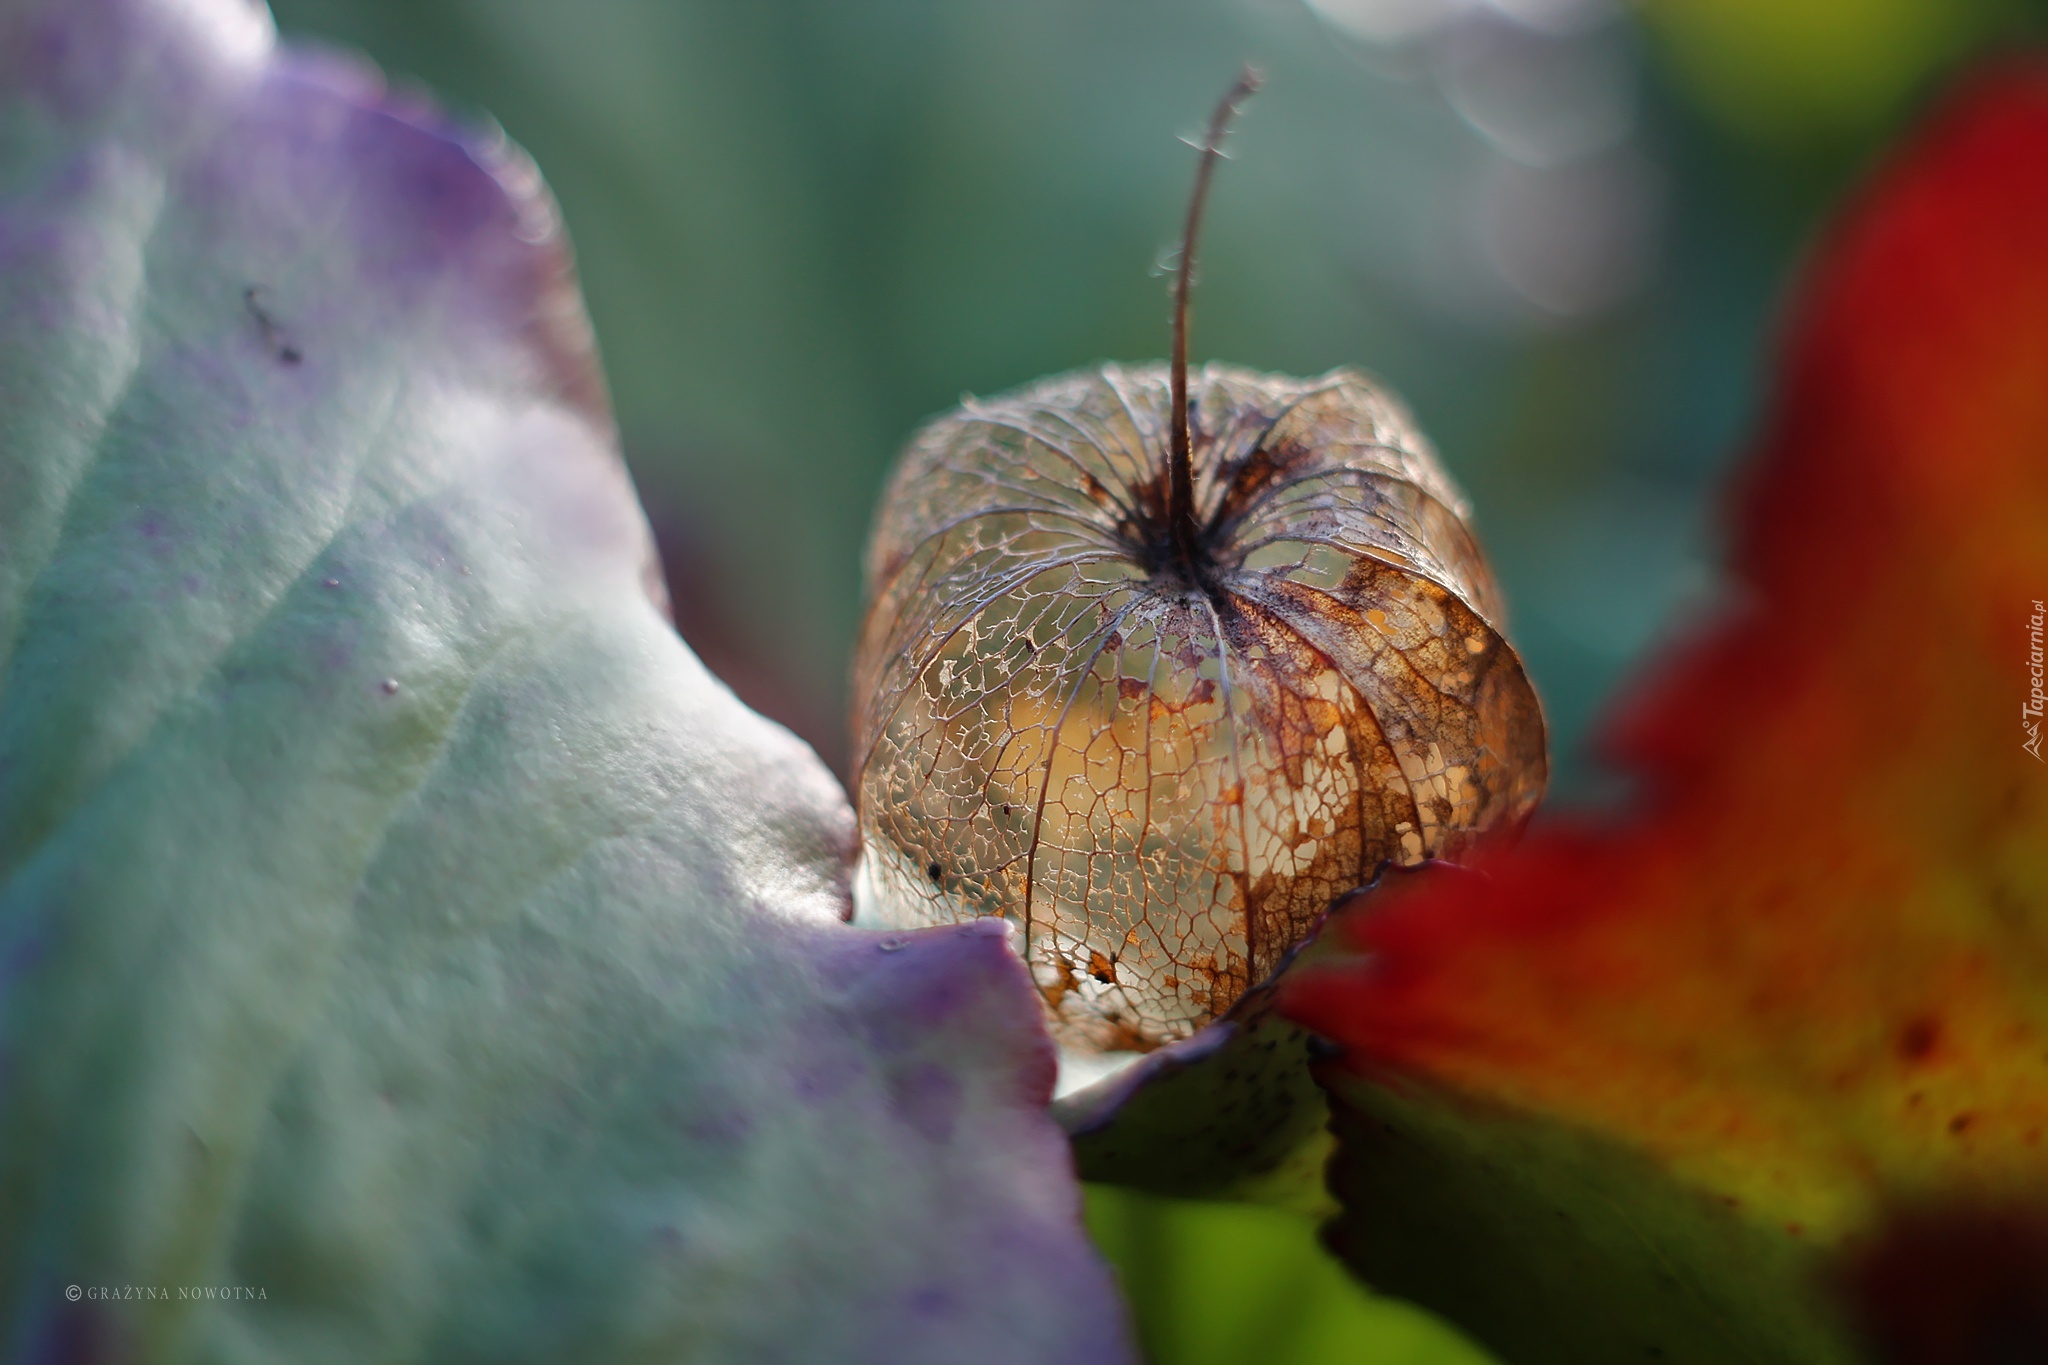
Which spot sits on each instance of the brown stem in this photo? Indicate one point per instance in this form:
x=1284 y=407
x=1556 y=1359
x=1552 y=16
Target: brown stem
x=1180 y=479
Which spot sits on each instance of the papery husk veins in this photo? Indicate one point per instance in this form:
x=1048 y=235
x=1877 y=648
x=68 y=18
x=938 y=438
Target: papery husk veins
x=1161 y=768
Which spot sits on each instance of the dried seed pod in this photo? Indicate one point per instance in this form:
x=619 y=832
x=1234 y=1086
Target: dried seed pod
x=1156 y=675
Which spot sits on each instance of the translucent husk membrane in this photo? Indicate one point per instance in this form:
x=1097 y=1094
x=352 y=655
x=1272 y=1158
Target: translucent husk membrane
x=1162 y=772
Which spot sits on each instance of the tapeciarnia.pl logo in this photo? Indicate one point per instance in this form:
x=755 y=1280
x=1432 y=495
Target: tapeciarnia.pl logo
x=2030 y=712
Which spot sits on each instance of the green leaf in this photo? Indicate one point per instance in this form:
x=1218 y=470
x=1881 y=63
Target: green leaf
x=1222 y=1284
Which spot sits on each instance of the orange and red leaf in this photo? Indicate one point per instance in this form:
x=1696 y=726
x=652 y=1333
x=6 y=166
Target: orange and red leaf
x=1805 y=982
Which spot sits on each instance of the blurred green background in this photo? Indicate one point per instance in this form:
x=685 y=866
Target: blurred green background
x=1560 y=228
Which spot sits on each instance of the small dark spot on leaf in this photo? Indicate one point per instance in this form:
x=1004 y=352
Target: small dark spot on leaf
x=267 y=328
x=1918 y=1038
x=1961 y=1123
x=935 y=872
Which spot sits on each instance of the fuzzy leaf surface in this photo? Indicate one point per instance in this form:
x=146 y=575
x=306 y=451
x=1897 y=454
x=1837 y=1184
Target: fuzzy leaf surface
x=395 y=918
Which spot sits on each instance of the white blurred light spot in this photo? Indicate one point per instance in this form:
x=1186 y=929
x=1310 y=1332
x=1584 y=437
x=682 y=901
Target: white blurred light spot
x=1539 y=100
x=1572 y=240
x=1393 y=21
x=1557 y=16
x=1558 y=216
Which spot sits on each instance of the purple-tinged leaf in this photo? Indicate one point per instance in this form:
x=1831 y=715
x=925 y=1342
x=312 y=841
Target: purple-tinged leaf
x=397 y=925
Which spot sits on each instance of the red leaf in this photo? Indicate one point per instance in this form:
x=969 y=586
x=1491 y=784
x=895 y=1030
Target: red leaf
x=1809 y=978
